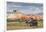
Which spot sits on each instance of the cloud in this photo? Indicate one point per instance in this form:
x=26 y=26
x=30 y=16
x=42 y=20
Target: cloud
x=31 y=11
x=25 y=8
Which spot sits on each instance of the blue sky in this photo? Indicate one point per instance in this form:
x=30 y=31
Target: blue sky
x=27 y=8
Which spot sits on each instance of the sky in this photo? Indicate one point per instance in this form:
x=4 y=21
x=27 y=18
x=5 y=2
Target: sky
x=26 y=8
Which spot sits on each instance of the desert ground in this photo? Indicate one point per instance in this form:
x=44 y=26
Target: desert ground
x=14 y=25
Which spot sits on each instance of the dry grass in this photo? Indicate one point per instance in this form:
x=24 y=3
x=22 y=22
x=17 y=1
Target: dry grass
x=21 y=25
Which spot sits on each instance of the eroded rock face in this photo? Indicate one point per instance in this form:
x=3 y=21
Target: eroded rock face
x=21 y=16
x=34 y=17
